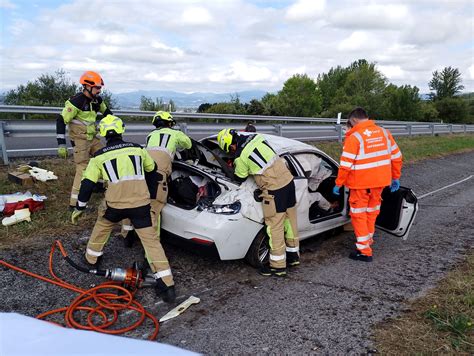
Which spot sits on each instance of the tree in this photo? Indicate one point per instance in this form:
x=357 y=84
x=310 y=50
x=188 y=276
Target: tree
x=49 y=90
x=402 y=103
x=445 y=84
x=329 y=83
x=203 y=107
x=147 y=104
x=270 y=105
x=255 y=107
x=299 y=97
x=453 y=110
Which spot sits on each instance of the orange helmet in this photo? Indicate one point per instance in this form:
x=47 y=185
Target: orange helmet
x=92 y=79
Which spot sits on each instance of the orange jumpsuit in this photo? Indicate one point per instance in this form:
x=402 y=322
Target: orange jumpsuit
x=369 y=161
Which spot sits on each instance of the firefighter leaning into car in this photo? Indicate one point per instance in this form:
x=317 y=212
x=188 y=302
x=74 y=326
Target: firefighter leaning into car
x=80 y=113
x=161 y=144
x=124 y=165
x=370 y=161
x=254 y=156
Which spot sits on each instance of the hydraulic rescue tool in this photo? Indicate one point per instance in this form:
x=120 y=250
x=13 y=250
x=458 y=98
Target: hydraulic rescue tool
x=131 y=278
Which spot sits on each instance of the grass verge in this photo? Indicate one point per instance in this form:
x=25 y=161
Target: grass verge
x=54 y=220
x=442 y=322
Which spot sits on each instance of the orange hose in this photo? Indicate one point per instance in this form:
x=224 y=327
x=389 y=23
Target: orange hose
x=106 y=302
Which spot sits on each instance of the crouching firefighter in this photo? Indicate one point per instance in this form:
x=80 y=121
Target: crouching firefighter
x=161 y=144
x=123 y=166
x=254 y=156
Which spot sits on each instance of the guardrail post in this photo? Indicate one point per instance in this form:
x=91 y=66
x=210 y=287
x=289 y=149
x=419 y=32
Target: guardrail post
x=279 y=129
x=465 y=128
x=339 y=133
x=3 y=146
x=409 y=128
x=432 y=129
x=183 y=127
x=451 y=128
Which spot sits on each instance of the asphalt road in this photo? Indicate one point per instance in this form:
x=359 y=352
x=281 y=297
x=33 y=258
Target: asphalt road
x=328 y=305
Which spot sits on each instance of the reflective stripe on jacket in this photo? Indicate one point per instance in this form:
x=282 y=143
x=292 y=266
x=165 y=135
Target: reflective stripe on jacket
x=370 y=157
x=167 y=140
x=123 y=166
x=253 y=156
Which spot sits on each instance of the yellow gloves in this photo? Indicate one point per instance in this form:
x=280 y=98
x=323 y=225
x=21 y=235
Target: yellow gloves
x=75 y=215
x=62 y=151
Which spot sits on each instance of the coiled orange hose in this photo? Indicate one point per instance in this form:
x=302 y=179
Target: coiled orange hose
x=107 y=302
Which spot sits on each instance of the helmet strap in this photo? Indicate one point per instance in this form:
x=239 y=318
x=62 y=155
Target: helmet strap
x=89 y=91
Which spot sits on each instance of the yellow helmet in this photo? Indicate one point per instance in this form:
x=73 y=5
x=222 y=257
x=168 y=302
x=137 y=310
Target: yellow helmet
x=224 y=139
x=111 y=123
x=164 y=116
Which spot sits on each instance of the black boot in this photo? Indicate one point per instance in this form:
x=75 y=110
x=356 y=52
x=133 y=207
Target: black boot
x=167 y=293
x=356 y=255
x=268 y=271
x=95 y=265
x=130 y=239
x=292 y=259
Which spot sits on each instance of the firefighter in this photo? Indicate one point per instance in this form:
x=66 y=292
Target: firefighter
x=370 y=161
x=161 y=144
x=123 y=166
x=80 y=113
x=254 y=156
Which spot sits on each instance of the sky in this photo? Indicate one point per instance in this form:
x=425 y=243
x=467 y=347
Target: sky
x=232 y=45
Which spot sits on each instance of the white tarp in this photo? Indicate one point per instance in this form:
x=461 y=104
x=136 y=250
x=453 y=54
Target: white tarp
x=23 y=335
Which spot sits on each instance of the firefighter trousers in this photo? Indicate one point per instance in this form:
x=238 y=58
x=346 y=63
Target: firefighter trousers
x=83 y=150
x=141 y=219
x=365 y=207
x=279 y=210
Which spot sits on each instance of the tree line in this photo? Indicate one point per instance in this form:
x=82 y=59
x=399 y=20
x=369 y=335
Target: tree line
x=339 y=90
x=359 y=84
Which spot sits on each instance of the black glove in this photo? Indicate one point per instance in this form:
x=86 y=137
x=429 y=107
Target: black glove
x=257 y=195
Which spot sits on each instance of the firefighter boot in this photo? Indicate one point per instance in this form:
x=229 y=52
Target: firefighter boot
x=95 y=265
x=356 y=255
x=292 y=259
x=271 y=271
x=168 y=294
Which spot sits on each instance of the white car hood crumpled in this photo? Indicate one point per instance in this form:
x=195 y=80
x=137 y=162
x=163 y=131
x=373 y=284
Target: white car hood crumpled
x=251 y=209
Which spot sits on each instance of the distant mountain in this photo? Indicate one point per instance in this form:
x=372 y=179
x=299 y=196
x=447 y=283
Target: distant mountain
x=131 y=100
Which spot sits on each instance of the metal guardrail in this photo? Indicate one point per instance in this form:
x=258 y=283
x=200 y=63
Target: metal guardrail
x=303 y=129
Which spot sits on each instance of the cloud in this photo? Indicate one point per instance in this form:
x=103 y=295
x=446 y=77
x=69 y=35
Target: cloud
x=357 y=41
x=470 y=71
x=196 y=16
x=371 y=16
x=231 y=45
x=6 y=4
x=304 y=10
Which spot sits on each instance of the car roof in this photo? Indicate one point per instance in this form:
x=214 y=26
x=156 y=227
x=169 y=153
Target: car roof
x=284 y=144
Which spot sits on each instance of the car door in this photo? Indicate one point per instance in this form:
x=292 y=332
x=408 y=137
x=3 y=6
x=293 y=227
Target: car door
x=397 y=212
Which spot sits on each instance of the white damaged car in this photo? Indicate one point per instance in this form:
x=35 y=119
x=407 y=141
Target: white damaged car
x=206 y=206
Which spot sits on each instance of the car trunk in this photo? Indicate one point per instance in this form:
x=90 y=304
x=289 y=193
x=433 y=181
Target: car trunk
x=189 y=187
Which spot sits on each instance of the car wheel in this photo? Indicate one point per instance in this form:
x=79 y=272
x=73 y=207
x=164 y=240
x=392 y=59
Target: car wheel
x=259 y=251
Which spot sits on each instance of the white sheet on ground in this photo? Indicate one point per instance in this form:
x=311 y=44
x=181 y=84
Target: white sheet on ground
x=23 y=335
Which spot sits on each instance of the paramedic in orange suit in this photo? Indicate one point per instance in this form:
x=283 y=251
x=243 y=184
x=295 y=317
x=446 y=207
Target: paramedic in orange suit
x=370 y=161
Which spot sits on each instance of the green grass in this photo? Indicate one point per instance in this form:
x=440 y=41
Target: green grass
x=416 y=148
x=52 y=222
x=441 y=322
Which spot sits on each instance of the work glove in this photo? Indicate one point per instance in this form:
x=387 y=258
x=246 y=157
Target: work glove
x=62 y=151
x=335 y=190
x=395 y=185
x=75 y=215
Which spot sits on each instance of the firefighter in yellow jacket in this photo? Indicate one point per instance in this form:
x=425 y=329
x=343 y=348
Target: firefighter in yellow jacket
x=254 y=156
x=161 y=144
x=80 y=113
x=123 y=165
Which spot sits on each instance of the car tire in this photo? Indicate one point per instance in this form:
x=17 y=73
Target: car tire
x=259 y=251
